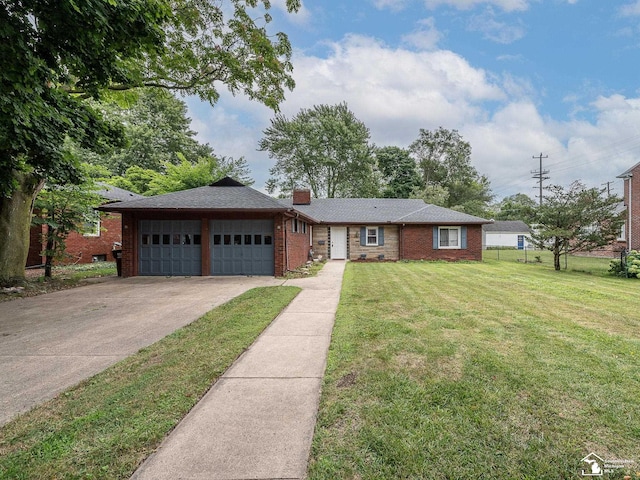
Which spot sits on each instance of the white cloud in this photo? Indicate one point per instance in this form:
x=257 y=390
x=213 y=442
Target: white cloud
x=425 y=37
x=393 y=5
x=495 y=30
x=630 y=9
x=385 y=81
x=301 y=17
x=506 y=5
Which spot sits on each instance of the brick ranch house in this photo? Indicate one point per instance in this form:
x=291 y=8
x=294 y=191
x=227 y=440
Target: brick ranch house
x=96 y=242
x=228 y=228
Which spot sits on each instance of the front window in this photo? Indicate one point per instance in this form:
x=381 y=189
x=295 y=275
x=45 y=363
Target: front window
x=372 y=235
x=449 y=237
x=91 y=225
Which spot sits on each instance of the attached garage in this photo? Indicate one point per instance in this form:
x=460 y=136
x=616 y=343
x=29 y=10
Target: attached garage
x=169 y=247
x=241 y=247
x=225 y=228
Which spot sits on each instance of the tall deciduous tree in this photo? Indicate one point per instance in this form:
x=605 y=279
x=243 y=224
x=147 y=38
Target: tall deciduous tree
x=444 y=160
x=575 y=219
x=325 y=147
x=157 y=131
x=399 y=173
x=517 y=207
x=57 y=54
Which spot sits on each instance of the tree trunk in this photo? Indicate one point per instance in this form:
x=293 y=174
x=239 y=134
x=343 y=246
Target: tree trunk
x=556 y=256
x=15 y=222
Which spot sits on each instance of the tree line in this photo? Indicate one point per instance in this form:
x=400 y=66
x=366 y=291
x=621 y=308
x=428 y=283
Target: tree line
x=328 y=149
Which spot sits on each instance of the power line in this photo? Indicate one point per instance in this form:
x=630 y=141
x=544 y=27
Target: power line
x=540 y=175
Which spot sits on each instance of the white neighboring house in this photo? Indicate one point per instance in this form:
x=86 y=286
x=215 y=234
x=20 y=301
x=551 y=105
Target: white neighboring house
x=506 y=233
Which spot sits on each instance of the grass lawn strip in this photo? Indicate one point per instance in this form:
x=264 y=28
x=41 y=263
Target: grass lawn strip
x=481 y=370
x=107 y=425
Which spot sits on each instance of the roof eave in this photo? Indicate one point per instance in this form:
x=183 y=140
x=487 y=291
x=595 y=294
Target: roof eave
x=114 y=208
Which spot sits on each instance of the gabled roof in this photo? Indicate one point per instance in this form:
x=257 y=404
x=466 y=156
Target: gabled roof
x=217 y=196
x=507 y=226
x=379 y=210
x=629 y=173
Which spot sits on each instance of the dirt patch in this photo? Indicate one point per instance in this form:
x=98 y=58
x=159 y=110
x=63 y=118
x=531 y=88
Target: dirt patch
x=348 y=380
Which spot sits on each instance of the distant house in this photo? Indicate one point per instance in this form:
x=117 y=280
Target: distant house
x=507 y=234
x=97 y=240
x=631 y=232
x=228 y=228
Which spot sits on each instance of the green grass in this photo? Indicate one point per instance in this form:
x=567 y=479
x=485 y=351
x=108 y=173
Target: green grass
x=544 y=259
x=85 y=270
x=106 y=426
x=496 y=370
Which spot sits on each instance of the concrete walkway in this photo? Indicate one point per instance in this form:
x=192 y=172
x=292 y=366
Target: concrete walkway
x=51 y=342
x=257 y=421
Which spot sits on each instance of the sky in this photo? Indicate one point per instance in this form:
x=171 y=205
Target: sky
x=516 y=78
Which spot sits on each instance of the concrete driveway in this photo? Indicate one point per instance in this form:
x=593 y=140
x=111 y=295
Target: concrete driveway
x=51 y=342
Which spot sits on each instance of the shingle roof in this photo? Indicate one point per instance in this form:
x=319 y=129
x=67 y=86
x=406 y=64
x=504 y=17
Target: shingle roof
x=230 y=195
x=379 y=210
x=204 y=198
x=510 y=226
x=115 y=194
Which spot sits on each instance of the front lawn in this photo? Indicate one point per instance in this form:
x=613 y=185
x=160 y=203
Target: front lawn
x=492 y=370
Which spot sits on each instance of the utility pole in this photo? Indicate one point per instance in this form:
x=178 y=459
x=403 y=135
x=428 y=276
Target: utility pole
x=608 y=184
x=540 y=174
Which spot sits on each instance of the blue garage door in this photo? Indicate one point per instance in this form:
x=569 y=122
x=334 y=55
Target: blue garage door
x=242 y=247
x=169 y=247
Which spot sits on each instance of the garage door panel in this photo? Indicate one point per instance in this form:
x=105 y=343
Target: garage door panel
x=169 y=247
x=238 y=247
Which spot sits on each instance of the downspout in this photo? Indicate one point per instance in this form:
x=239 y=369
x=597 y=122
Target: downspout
x=630 y=208
x=286 y=248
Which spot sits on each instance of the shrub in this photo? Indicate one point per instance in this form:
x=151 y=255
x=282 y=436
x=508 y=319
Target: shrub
x=630 y=267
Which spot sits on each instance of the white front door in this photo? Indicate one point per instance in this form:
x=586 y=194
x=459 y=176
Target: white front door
x=338 y=243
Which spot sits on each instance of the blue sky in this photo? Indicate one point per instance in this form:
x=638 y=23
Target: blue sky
x=515 y=77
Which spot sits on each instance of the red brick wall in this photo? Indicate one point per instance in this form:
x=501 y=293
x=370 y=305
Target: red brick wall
x=298 y=245
x=302 y=197
x=280 y=254
x=129 y=245
x=82 y=248
x=634 y=231
x=416 y=243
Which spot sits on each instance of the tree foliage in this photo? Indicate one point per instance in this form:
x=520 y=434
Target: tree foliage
x=63 y=209
x=399 y=173
x=57 y=54
x=326 y=148
x=444 y=160
x=575 y=219
x=182 y=176
x=517 y=207
x=156 y=130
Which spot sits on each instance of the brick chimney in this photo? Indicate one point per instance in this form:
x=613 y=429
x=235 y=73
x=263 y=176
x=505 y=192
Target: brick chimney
x=301 y=196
